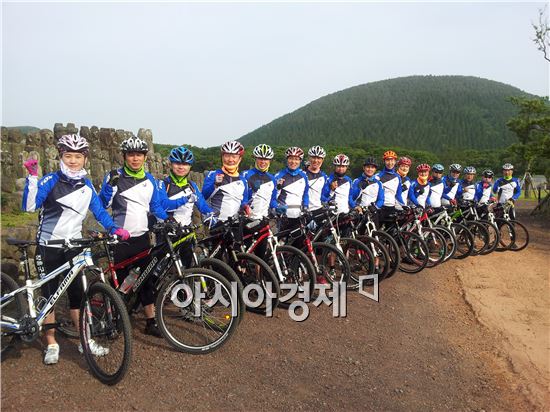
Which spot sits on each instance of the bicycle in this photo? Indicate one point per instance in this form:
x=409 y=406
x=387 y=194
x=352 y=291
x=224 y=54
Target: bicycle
x=479 y=233
x=463 y=236
x=103 y=318
x=470 y=213
x=519 y=236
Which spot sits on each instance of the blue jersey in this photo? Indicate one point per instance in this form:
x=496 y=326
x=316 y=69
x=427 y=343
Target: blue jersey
x=367 y=190
x=391 y=181
x=226 y=198
x=452 y=189
x=179 y=202
x=131 y=200
x=342 y=195
x=262 y=192
x=468 y=190
x=507 y=189
x=484 y=192
x=437 y=187
x=316 y=184
x=64 y=203
x=419 y=194
x=293 y=190
x=405 y=185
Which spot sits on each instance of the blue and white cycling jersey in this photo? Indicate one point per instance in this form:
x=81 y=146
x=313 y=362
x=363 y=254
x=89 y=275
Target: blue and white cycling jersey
x=436 y=191
x=262 y=192
x=341 y=195
x=391 y=181
x=294 y=191
x=468 y=190
x=227 y=198
x=64 y=203
x=179 y=202
x=317 y=182
x=452 y=189
x=131 y=200
x=405 y=185
x=507 y=189
x=419 y=194
x=367 y=190
x=484 y=192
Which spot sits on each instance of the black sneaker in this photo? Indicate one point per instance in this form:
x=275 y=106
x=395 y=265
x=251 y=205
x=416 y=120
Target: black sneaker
x=151 y=328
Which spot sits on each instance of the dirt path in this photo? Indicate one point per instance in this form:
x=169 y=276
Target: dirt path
x=420 y=348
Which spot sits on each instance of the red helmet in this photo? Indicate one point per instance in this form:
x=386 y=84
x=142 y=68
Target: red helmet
x=390 y=154
x=294 y=151
x=404 y=161
x=423 y=167
x=233 y=147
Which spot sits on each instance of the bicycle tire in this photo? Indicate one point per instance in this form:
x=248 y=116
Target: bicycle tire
x=325 y=250
x=393 y=250
x=450 y=241
x=436 y=242
x=383 y=266
x=104 y=318
x=464 y=240
x=361 y=267
x=14 y=310
x=265 y=275
x=494 y=237
x=480 y=236
x=507 y=234
x=522 y=233
x=414 y=251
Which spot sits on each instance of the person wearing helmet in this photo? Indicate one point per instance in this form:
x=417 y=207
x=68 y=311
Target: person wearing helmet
x=436 y=185
x=403 y=166
x=452 y=189
x=366 y=190
x=316 y=177
x=484 y=188
x=262 y=189
x=293 y=186
x=419 y=192
x=338 y=186
x=507 y=188
x=468 y=184
x=133 y=194
x=64 y=197
x=225 y=189
x=391 y=181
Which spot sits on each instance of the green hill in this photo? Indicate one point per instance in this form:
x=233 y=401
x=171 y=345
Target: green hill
x=25 y=129
x=434 y=113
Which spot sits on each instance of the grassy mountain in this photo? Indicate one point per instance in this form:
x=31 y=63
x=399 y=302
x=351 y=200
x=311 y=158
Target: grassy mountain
x=435 y=113
x=25 y=129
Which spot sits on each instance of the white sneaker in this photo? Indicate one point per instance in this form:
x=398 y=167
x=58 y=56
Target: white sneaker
x=51 y=355
x=97 y=350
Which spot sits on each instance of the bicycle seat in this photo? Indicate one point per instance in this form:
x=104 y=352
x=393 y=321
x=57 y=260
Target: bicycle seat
x=18 y=242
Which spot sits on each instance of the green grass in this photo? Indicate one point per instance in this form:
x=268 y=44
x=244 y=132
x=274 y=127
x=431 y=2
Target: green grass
x=17 y=219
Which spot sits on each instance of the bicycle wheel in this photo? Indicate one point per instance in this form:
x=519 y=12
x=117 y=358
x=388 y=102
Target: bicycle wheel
x=105 y=333
x=333 y=265
x=12 y=311
x=480 y=236
x=450 y=241
x=464 y=240
x=296 y=269
x=414 y=252
x=521 y=236
x=507 y=234
x=494 y=238
x=225 y=270
x=393 y=250
x=252 y=270
x=382 y=261
x=359 y=257
x=196 y=312
x=437 y=246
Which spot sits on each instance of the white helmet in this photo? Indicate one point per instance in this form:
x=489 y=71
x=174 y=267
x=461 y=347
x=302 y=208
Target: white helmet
x=72 y=143
x=294 y=151
x=317 y=151
x=233 y=147
x=263 y=151
x=134 y=144
x=340 y=160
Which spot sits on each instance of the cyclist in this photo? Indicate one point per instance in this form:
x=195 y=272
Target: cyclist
x=468 y=184
x=338 y=186
x=451 y=186
x=419 y=192
x=179 y=196
x=508 y=188
x=436 y=185
x=262 y=189
x=403 y=167
x=64 y=197
x=391 y=181
x=484 y=188
x=316 y=177
x=292 y=187
x=132 y=193
x=225 y=189
x=366 y=189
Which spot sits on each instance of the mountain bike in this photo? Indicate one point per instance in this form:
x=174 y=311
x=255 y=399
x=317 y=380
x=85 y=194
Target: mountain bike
x=478 y=230
x=103 y=318
x=463 y=236
x=469 y=211
x=517 y=238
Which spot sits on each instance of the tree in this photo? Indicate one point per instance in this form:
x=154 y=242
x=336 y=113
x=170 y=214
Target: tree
x=542 y=33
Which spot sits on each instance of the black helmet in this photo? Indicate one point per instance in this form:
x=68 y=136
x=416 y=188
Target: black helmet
x=488 y=173
x=370 y=161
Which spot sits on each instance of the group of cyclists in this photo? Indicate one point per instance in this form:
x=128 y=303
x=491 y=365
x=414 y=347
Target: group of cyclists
x=135 y=198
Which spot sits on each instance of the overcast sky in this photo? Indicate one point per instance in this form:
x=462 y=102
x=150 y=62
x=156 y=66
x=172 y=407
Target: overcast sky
x=201 y=74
